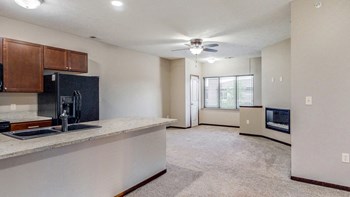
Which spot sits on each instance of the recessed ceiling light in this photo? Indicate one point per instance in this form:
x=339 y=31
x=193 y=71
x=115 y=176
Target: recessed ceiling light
x=29 y=4
x=318 y=4
x=117 y=3
x=211 y=60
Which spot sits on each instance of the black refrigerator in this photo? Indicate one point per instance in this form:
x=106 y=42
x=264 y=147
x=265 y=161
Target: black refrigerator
x=77 y=95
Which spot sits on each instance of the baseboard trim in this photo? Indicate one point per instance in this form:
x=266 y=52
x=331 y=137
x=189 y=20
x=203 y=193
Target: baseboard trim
x=320 y=183
x=174 y=127
x=253 y=135
x=141 y=184
x=219 y=125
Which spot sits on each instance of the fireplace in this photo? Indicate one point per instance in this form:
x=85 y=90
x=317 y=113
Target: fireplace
x=277 y=119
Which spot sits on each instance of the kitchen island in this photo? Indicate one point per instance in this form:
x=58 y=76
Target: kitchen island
x=98 y=162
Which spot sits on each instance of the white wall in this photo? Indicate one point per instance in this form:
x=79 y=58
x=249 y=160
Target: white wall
x=276 y=63
x=131 y=83
x=320 y=68
x=177 y=92
x=180 y=101
x=236 y=66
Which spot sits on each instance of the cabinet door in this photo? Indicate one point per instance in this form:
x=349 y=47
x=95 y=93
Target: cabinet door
x=23 y=66
x=1 y=44
x=55 y=58
x=78 y=61
x=30 y=125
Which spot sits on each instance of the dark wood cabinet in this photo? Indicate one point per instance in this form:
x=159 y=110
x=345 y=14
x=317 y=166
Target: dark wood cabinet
x=55 y=58
x=22 y=66
x=30 y=125
x=78 y=61
x=65 y=60
x=1 y=44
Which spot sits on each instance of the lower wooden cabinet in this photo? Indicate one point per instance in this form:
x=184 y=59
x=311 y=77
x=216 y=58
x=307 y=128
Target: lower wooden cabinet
x=30 y=125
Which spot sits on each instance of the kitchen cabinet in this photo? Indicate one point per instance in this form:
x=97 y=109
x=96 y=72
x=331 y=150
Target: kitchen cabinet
x=55 y=58
x=78 y=61
x=65 y=60
x=22 y=66
x=30 y=125
x=1 y=50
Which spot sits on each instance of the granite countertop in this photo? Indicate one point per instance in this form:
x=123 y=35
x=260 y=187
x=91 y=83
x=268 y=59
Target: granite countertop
x=17 y=117
x=10 y=147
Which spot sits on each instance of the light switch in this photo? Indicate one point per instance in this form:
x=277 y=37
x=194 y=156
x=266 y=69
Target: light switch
x=272 y=79
x=281 y=79
x=248 y=122
x=308 y=100
x=345 y=158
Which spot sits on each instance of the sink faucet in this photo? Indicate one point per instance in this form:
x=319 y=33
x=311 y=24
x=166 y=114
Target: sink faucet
x=64 y=118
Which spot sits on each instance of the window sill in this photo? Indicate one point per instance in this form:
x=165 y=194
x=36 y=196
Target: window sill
x=219 y=109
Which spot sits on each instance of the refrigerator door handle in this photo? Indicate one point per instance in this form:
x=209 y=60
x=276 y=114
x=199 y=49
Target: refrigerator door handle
x=79 y=99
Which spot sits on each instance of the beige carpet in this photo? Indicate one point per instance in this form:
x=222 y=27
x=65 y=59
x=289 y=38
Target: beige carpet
x=217 y=161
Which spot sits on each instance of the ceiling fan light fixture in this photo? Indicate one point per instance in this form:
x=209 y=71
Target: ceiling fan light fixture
x=196 y=50
x=29 y=4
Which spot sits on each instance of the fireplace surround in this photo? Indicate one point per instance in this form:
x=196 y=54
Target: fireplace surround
x=278 y=119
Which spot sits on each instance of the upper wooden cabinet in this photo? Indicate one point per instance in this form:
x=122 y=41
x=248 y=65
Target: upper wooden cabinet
x=65 y=60
x=1 y=49
x=22 y=66
x=55 y=58
x=24 y=63
x=78 y=61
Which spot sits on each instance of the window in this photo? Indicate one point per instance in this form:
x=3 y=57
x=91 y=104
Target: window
x=229 y=92
x=245 y=90
x=211 y=92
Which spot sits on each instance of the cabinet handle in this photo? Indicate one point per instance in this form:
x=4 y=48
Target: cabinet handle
x=70 y=68
x=5 y=88
x=67 y=68
x=33 y=127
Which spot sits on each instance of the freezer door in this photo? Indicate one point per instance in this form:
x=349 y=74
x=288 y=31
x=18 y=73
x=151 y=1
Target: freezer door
x=88 y=87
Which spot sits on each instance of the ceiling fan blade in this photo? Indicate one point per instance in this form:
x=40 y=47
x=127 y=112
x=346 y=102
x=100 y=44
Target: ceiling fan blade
x=211 y=45
x=180 y=49
x=210 y=50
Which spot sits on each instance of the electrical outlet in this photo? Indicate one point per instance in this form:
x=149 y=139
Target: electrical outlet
x=308 y=100
x=13 y=107
x=345 y=158
x=247 y=121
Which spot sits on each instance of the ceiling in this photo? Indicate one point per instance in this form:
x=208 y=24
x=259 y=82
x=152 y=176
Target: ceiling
x=241 y=27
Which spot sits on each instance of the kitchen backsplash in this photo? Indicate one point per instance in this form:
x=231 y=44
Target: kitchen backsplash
x=18 y=102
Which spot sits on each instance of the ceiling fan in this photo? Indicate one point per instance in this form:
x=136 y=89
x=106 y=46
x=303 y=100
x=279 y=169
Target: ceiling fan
x=197 y=47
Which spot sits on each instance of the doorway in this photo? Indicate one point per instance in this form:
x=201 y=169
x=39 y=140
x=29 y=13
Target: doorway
x=194 y=100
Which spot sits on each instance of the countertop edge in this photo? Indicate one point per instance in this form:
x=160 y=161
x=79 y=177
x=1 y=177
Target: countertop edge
x=72 y=142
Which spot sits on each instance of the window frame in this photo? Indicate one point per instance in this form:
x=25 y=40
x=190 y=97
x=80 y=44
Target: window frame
x=219 y=88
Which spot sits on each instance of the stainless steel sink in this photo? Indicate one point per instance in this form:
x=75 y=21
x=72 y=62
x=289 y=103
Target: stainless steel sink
x=32 y=133
x=74 y=127
x=42 y=132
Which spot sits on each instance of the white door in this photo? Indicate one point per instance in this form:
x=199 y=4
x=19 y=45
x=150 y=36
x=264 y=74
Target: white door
x=194 y=100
